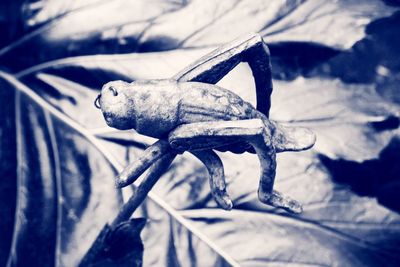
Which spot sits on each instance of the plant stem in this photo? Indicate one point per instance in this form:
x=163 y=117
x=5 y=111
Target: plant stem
x=139 y=195
x=140 y=192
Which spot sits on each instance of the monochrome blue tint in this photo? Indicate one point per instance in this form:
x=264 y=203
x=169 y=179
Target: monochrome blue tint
x=336 y=70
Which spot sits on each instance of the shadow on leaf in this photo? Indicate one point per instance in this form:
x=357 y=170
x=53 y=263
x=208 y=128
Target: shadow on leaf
x=378 y=178
x=374 y=59
x=292 y=59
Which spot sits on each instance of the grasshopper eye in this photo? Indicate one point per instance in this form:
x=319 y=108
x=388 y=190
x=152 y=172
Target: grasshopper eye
x=115 y=92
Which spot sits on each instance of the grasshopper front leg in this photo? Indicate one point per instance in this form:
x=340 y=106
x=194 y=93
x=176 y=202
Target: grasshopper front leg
x=133 y=171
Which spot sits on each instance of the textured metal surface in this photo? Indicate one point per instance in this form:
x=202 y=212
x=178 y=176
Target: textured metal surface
x=190 y=113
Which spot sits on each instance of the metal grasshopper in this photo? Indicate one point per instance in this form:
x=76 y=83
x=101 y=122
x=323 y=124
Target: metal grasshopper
x=190 y=113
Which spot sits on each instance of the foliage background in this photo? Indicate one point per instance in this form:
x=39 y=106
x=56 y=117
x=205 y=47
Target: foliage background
x=336 y=66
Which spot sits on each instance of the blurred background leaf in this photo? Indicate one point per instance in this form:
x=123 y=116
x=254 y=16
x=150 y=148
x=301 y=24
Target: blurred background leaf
x=336 y=70
x=58 y=187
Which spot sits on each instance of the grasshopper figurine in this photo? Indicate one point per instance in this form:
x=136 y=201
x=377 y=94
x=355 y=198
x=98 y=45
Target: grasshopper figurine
x=190 y=113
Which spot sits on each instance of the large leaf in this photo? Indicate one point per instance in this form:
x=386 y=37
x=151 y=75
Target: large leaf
x=340 y=225
x=58 y=210
x=343 y=117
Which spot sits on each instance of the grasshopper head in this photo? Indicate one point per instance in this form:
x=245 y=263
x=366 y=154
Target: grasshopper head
x=116 y=103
